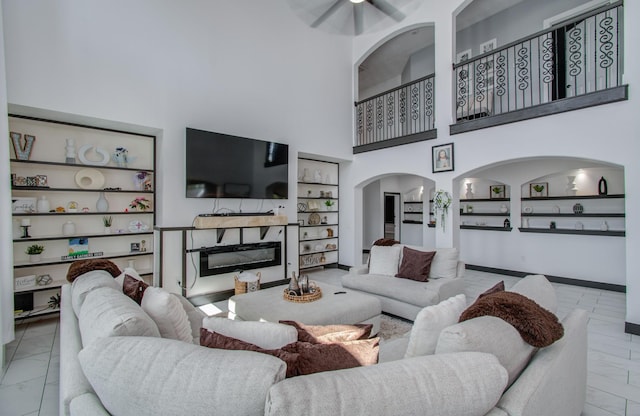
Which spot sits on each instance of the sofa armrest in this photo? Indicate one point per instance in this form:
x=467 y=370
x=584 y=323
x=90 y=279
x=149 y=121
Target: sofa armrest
x=461 y=269
x=467 y=384
x=449 y=287
x=363 y=269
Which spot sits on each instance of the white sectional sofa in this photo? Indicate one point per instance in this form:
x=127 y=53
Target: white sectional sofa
x=405 y=297
x=113 y=361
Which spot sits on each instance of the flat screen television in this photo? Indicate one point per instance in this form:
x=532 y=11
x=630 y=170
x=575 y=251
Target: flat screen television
x=224 y=166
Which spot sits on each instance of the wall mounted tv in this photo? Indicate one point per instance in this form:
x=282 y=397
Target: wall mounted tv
x=224 y=166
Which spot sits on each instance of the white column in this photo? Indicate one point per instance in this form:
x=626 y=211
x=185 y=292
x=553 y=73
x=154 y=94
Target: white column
x=6 y=254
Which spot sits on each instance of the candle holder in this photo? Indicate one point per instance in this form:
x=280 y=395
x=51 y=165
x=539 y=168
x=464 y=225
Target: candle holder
x=25 y=231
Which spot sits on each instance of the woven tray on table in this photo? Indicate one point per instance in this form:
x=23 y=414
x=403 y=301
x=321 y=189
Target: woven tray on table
x=307 y=297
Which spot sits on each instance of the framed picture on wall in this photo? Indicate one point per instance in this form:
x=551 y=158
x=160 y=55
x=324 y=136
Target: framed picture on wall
x=488 y=46
x=442 y=157
x=496 y=191
x=463 y=56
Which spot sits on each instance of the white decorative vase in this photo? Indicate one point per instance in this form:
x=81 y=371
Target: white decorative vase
x=525 y=223
x=107 y=230
x=102 y=205
x=504 y=209
x=43 y=204
x=469 y=193
x=68 y=228
x=35 y=258
x=572 y=188
x=604 y=226
x=70 y=152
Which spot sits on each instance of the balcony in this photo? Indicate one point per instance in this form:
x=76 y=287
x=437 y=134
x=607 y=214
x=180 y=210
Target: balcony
x=402 y=115
x=573 y=65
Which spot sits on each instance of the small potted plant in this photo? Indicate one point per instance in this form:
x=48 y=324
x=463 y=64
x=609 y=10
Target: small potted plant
x=140 y=204
x=328 y=203
x=107 y=221
x=35 y=252
x=538 y=188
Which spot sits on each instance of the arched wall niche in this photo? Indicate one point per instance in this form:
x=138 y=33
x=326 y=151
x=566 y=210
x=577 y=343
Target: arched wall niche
x=595 y=258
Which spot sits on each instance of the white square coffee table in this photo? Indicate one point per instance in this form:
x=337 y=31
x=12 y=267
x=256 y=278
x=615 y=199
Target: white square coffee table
x=336 y=306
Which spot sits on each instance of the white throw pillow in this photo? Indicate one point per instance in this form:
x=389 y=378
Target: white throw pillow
x=384 y=260
x=168 y=314
x=492 y=335
x=430 y=322
x=136 y=376
x=445 y=263
x=195 y=316
x=107 y=312
x=267 y=335
x=89 y=281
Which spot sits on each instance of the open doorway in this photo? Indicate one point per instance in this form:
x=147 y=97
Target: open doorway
x=392 y=215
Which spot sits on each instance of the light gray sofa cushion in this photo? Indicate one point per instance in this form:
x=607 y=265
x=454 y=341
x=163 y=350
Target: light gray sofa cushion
x=405 y=290
x=195 y=316
x=384 y=260
x=87 y=404
x=445 y=385
x=107 y=312
x=143 y=376
x=87 y=282
x=430 y=322
x=537 y=288
x=491 y=335
x=267 y=335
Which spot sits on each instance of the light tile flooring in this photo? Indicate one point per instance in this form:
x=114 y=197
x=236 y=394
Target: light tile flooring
x=29 y=384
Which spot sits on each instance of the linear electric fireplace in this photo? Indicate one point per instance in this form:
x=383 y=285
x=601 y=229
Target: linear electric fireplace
x=225 y=259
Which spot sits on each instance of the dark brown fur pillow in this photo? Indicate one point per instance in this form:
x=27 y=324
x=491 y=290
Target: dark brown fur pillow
x=385 y=242
x=80 y=267
x=536 y=325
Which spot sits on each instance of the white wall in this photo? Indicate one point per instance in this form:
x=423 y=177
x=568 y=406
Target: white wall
x=211 y=65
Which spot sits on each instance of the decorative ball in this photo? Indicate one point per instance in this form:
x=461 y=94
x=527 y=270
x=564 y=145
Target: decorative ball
x=578 y=208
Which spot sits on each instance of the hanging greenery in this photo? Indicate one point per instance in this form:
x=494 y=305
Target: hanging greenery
x=441 y=204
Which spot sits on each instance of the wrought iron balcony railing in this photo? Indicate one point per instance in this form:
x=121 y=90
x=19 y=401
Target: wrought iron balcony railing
x=575 y=58
x=402 y=112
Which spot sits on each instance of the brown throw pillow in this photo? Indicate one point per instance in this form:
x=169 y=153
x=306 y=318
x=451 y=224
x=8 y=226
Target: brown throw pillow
x=416 y=264
x=215 y=340
x=536 y=325
x=134 y=288
x=498 y=287
x=80 y=267
x=327 y=334
x=314 y=358
x=304 y=357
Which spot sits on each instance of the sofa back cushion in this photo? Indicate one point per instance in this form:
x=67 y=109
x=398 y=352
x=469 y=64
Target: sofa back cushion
x=491 y=335
x=87 y=282
x=430 y=322
x=195 y=316
x=266 y=335
x=384 y=260
x=537 y=288
x=142 y=376
x=107 y=312
x=468 y=384
x=167 y=313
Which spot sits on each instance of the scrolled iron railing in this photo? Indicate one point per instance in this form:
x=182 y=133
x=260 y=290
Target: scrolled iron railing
x=574 y=58
x=402 y=111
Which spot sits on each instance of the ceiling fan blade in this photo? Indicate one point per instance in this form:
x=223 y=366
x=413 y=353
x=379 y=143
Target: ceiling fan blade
x=358 y=19
x=388 y=9
x=331 y=10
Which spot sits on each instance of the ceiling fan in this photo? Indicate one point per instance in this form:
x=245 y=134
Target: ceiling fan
x=351 y=16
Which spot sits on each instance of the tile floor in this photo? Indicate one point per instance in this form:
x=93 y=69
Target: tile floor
x=29 y=384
